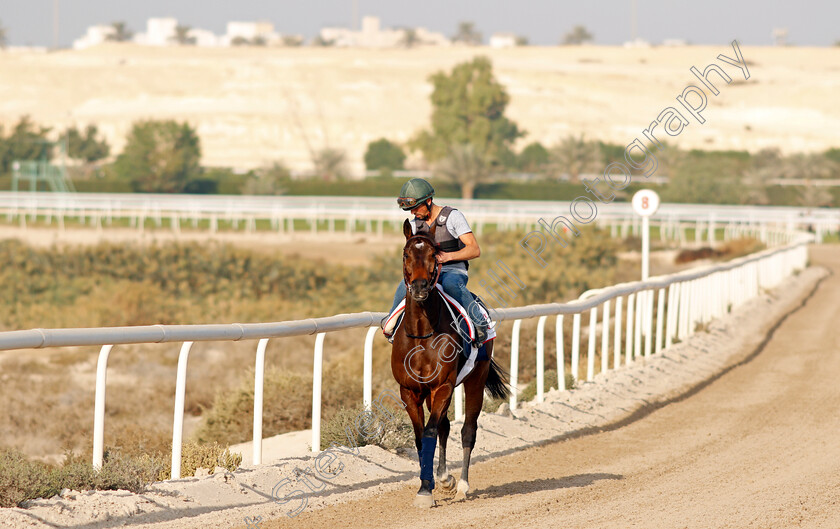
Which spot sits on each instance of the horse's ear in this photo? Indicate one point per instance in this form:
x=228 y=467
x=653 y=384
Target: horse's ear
x=407 y=229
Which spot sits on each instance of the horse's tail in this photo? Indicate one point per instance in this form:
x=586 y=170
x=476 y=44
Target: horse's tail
x=497 y=381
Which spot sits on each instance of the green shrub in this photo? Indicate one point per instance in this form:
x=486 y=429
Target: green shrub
x=384 y=154
x=348 y=426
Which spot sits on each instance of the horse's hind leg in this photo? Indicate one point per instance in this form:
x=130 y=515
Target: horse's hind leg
x=446 y=481
x=474 y=394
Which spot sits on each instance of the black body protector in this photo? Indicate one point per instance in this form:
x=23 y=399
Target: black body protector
x=443 y=238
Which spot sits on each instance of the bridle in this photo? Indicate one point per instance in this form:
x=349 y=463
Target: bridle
x=433 y=282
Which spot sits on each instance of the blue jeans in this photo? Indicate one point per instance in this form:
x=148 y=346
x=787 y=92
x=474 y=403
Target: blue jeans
x=454 y=284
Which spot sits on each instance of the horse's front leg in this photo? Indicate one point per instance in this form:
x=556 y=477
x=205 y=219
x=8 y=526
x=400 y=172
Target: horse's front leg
x=447 y=482
x=414 y=408
x=440 y=398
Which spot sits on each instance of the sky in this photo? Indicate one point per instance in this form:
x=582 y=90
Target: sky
x=543 y=22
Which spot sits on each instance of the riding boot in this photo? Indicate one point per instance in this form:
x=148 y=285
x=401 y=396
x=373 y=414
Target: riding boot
x=480 y=335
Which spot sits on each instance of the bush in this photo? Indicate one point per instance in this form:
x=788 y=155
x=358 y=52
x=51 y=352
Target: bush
x=287 y=404
x=390 y=430
x=383 y=154
x=160 y=157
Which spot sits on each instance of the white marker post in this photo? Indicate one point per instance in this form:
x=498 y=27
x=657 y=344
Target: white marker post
x=645 y=204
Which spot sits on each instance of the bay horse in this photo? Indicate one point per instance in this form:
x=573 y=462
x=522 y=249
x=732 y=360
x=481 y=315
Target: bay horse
x=425 y=359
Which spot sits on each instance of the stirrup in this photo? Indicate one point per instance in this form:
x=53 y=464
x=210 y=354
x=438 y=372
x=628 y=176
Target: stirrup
x=480 y=336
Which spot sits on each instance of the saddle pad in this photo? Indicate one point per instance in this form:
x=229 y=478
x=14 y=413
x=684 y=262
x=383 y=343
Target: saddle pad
x=459 y=314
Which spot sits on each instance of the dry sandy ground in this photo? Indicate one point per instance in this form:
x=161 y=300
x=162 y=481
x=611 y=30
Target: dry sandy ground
x=731 y=428
x=355 y=249
x=253 y=106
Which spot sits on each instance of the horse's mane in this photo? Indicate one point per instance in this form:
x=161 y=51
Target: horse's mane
x=427 y=236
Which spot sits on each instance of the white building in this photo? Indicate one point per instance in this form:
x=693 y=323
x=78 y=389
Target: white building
x=204 y=37
x=95 y=35
x=159 y=32
x=503 y=40
x=373 y=36
x=249 y=32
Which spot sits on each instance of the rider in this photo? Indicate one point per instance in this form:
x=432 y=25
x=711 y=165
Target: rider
x=457 y=243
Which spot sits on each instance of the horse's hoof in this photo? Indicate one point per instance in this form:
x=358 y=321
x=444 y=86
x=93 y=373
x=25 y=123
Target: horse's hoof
x=447 y=484
x=424 y=501
x=463 y=489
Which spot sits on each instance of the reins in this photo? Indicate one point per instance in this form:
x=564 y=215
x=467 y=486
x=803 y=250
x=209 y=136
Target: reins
x=434 y=282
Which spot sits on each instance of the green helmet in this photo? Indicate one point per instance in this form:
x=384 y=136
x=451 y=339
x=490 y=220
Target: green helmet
x=415 y=192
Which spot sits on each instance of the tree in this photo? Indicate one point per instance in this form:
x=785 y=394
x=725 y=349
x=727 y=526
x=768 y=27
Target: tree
x=182 y=36
x=86 y=147
x=578 y=35
x=268 y=181
x=160 y=156
x=331 y=164
x=409 y=38
x=468 y=34
x=292 y=40
x=468 y=106
x=26 y=142
x=533 y=158
x=2 y=36
x=465 y=166
x=521 y=40
x=383 y=154
x=322 y=42
x=121 y=32
x=575 y=156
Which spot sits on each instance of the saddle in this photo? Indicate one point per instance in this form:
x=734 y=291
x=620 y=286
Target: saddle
x=470 y=353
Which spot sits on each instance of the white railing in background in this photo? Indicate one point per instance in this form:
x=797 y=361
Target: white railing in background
x=693 y=297
x=321 y=214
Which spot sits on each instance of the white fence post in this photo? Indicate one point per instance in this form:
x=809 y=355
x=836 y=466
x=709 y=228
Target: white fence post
x=628 y=344
x=514 y=363
x=617 y=340
x=367 y=390
x=259 y=381
x=317 y=370
x=561 y=357
x=605 y=338
x=99 y=406
x=575 y=345
x=590 y=346
x=178 y=424
x=541 y=358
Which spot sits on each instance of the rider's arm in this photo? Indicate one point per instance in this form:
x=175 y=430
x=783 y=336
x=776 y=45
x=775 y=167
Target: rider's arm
x=471 y=250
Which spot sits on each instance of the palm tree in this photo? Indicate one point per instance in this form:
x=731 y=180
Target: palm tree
x=464 y=166
x=121 y=32
x=578 y=35
x=182 y=36
x=576 y=156
x=409 y=38
x=467 y=34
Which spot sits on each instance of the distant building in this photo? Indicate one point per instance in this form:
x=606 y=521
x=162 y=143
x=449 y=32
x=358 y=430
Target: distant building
x=674 y=42
x=159 y=32
x=95 y=35
x=637 y=43
x=250 y=32
x=503 y=40
x=373 y=36
x=204 y=38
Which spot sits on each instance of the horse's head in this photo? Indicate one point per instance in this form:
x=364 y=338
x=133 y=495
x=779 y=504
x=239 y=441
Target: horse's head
x=420 y=267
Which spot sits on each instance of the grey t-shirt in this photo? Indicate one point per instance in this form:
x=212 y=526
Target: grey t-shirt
x=456 y=225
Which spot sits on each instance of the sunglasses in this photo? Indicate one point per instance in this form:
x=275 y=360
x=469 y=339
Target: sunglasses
x=410 y=203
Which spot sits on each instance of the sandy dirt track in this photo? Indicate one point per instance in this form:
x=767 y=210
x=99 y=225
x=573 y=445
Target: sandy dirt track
x=756 y=447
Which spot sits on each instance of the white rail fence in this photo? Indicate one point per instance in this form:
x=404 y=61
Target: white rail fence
x=682 y=301
x=372 y=215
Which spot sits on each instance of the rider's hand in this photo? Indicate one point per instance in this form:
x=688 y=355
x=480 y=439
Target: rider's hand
x=440 y=258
